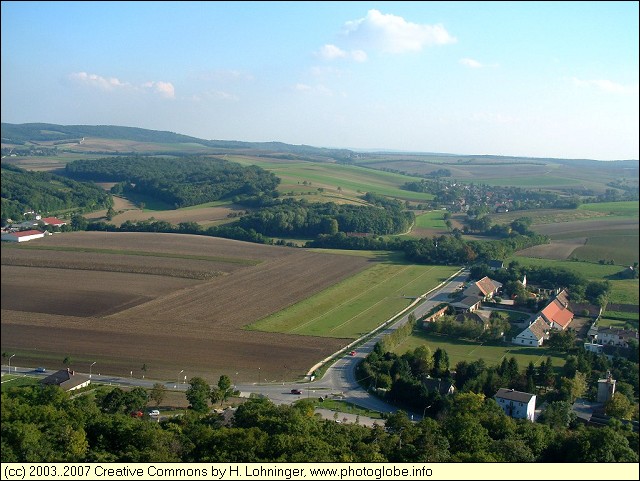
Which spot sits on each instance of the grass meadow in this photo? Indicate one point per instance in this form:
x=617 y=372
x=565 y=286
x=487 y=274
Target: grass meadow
x=352 y=180
x=357 y=305
x=431 y=220
x=464 y=350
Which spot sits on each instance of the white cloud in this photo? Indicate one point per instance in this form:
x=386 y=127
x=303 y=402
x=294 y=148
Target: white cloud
x=471 y=63
x=607 y=86
x=391 y=33
x=332 y=52
x=98 y=81
x=165 y=89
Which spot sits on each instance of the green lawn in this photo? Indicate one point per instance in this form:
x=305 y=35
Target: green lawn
x=357 y=305
x=627 y=208
x=606 y=322
x=10 y=380
x=431 y=220
x=622 y=248
x=461 y=350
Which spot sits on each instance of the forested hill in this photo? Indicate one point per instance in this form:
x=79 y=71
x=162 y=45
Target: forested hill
x=19 y=134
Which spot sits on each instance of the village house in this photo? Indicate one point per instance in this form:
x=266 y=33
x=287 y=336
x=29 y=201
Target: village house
x=557 y=312
x=67 y=380
x=615 y=336
x=485 y=288
x=467 y=304
x=53 y=221
x=534 y=335
x=516 y=404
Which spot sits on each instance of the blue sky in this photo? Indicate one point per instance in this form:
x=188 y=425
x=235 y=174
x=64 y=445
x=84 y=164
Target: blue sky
x=536 y=79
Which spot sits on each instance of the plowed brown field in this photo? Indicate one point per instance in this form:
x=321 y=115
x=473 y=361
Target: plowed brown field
x=130 y=309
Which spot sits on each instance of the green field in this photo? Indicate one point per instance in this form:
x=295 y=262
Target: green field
x=617 y=323
x=622 y=248
x=461 y=350
x=10 y=380
x=431 y=220
x=531 y=181
x=628 y=208
x=352 y=179
x=357 y=305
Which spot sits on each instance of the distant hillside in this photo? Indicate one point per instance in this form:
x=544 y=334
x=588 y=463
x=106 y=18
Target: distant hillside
x=19 y=134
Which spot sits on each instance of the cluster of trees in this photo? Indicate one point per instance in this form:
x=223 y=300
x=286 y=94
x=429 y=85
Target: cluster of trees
x=48 y=425
x=299 y=218
x=24 y=191
x=177 y=182
x=472 y=327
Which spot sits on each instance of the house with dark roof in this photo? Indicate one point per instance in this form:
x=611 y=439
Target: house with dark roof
x=516 y=404
x=467 y=304
x=615 y=336
x=495 y=265
x=67 y=380
x=443 y=387
x=534 y=335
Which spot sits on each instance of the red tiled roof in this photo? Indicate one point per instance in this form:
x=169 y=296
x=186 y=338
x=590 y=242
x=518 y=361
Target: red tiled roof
x=557 y=313
x=53 y=220
x=25 y=233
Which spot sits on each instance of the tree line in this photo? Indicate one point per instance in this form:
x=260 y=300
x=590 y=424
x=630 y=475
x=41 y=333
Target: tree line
x=43 y=192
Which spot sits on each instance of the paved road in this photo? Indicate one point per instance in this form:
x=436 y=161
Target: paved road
x=339 y=380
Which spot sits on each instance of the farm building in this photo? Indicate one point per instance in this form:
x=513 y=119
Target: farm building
x=485 y=288
x=516 y=404
x=22 y=236
x=467 y=304
x=534 y=335
x=54 y=221
x=67 y=380
x=557 y=312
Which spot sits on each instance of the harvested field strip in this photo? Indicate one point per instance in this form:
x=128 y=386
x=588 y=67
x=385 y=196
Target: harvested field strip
x=358 y=304
x=230 y=260
x=114 y=267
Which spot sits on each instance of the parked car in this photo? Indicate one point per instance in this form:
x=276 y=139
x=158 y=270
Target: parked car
x=137 y=414
x=40 y=369
x=154 y=412
x=296 y=391
x=352 y=353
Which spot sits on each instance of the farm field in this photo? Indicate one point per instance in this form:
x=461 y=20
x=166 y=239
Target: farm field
x=358 y=304
x=126 y=313
x=462 y=350
x=352 y=180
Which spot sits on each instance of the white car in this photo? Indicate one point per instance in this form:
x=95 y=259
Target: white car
x=154 y=412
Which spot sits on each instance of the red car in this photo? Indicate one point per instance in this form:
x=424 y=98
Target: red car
x=352 y=353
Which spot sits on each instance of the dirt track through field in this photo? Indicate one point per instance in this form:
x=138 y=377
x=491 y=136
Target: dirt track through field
x=129 y=319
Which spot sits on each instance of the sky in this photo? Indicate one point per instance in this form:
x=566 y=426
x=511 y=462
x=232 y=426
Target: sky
x=531 y=79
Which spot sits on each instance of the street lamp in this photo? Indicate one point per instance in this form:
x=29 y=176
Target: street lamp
x=179 y=375
x=90 y=368
x=10 y=362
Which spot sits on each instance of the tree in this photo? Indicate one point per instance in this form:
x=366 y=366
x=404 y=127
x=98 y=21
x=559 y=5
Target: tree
x=619 y=406
x=158 y=393
x=573 y=388
x=223 y=391
x=198 y=394
x=558 y=414
x=67 y=361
